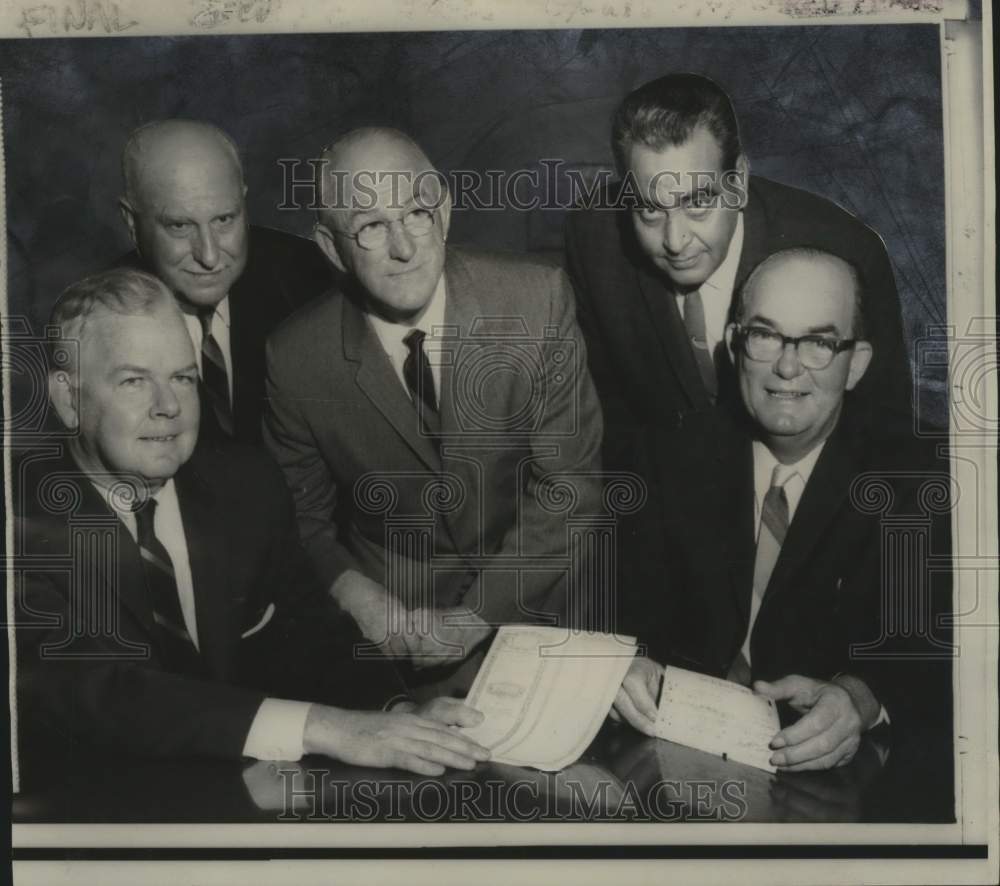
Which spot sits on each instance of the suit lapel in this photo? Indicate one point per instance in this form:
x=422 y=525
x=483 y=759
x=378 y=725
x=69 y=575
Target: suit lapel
x=129 y=582
x=462 y=310
x=662 y=309
x=736 y=465
x=246 y=348
x=821 y=502
x=209 y=552
x=378 y=381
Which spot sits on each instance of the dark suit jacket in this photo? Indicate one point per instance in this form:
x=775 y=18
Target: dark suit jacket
x=282 y=273
x=640 y=357
x=249 y=575
x=869 y=500
x=517 y=403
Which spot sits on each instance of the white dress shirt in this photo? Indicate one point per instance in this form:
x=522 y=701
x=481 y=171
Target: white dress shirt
x=391 y=335
x=278 y=727
x=763 y=468
x=220 y=332
x=795 y=477
x=717 y=290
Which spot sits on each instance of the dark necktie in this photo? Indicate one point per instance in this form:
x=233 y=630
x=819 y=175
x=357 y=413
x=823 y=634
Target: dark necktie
x=773 y=528
x=215 y=380
x=173 y=642
x=420 y=381
x=694 y=324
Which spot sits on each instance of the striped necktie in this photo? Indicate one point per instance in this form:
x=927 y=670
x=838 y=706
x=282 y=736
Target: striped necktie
x=770 y=538
x=173 y=642
x=420 y=381
x=694 y=324
x=215 y=379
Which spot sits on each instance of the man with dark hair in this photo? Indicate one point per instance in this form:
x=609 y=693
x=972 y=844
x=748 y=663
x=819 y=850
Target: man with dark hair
x=188 y=622
x=655 y=277
x=783 y=572
x=185 y=208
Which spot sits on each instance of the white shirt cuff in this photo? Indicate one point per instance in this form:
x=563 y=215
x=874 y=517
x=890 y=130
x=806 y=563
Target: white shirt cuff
x=277 y=730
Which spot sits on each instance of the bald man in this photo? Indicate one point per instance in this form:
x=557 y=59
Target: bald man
x=185 y=208
x=418 y=411
x=782 y=575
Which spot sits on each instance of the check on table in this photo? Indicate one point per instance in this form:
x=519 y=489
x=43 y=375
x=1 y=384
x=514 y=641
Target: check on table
x=545 y=693
x=717 y=716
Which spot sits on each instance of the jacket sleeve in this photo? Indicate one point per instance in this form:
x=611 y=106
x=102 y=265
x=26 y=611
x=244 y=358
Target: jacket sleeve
x=565 y=444
x=88 y=689
x=314 y=489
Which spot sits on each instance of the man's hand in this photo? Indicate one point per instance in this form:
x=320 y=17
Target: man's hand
x=380 y=616
x=829 y=732
x=440 y=636
x=449 y=711
x=637 y=698
x=393 y=739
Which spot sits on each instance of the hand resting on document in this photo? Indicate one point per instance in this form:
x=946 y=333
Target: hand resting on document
x=637 y=700
x=420 y=739
x=834 y=714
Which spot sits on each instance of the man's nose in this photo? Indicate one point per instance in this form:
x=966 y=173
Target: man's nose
x=165 y=403
x=788 y=364
x=206 y=248
x=675 y=233
x=401 y=246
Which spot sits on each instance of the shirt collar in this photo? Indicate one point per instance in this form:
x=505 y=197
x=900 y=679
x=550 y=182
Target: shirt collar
x=764 y=462
x=120 y=501
x=391 y=335
x=723 y=278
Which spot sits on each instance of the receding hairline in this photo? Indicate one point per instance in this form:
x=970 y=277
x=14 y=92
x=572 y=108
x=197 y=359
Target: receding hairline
x=142 y=139
x=806 y=254
x=120 y=291
x=332 y=155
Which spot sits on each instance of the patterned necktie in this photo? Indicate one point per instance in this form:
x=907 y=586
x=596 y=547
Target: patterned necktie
x=215 y=380
x=173 y=642
x=770 y=538
x=420 y=381
x=694 y=324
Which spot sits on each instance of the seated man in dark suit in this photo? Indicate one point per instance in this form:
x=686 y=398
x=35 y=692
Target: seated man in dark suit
x=418 y=412
x=779 y=529
x=164 y=604
x=656 y=261
x=185 y=207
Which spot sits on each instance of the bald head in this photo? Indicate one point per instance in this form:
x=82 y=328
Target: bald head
x=385 y=219
x=161 y=148
x=184 y=207
x=375 y=164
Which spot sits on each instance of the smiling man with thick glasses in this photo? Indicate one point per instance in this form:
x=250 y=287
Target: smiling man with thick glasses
x=798 y=344
x=765 y=346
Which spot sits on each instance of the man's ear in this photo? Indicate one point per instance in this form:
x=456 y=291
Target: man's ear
x=861 y=356
x=65 y=398
x=327 y=242
x=128 y=216
x=730 y=346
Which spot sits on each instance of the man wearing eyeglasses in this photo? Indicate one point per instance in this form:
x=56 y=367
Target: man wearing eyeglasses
x=776 y=551
x=417 y=411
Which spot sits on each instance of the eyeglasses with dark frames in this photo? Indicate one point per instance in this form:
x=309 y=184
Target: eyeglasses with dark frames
x=764 y=345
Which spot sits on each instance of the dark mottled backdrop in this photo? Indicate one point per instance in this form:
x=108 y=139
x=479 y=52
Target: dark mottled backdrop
x=853 y=113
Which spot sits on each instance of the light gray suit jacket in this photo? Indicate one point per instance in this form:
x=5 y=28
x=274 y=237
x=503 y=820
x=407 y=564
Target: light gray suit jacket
x=487 y=515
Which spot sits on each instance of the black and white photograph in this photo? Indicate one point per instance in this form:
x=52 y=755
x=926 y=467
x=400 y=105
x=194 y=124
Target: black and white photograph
x=449 y=443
